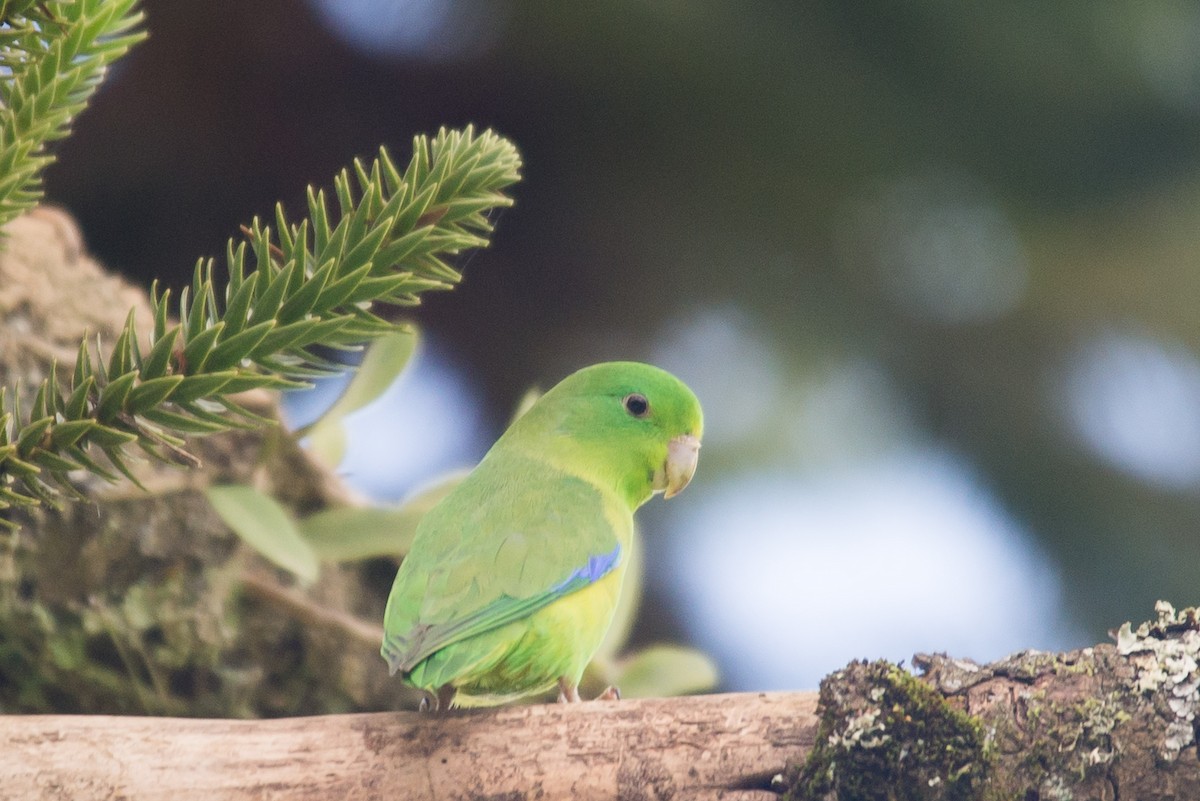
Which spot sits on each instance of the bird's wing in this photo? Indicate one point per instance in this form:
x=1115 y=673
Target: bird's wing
x=512 y=539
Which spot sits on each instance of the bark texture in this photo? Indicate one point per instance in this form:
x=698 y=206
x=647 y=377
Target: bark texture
x=1106 y=723
x=687 y=748
x=1110 y=722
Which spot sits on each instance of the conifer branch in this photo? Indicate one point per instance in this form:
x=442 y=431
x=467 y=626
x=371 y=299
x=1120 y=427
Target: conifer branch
x=53 y=55
x=306 y=284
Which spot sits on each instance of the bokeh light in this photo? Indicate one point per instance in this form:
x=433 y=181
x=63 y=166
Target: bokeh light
x=437 y=30
x=428 y=422
x=728 y=364
x=1134 y=402
x=895 y=557
x=940 y=246
x=1166 y=44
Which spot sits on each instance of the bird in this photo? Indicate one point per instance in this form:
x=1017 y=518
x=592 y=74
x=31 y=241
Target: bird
x=512 y=579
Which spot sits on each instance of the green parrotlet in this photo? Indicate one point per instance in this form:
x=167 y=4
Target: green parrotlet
x=512 y=579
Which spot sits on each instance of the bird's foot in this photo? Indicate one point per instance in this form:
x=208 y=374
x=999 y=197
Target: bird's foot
x=568 y=693
x=610 y=693
x=439 y=701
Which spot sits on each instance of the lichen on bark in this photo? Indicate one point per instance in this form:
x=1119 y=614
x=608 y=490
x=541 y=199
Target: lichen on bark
x=1107 y=722
x=886 y=735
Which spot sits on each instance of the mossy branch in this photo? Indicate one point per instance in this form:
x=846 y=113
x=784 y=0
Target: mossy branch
x=307 y=284
x=53 y=55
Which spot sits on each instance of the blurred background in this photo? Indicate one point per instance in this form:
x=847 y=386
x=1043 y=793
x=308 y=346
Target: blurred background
x=931 y=267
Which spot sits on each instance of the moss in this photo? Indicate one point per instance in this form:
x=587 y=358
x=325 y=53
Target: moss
x=885 y=735
x=141 y=609
x=1055 y=727
x=1065 y=748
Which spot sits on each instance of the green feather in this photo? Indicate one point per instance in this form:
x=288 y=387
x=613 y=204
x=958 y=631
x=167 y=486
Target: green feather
x=490 y=599
x=507 y=556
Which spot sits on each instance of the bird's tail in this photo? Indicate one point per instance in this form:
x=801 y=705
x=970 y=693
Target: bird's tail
x=392 y=651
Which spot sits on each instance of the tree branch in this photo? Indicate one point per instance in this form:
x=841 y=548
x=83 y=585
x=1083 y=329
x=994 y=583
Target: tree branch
x=1108 y=722
x=727 y=746
x=312 y=287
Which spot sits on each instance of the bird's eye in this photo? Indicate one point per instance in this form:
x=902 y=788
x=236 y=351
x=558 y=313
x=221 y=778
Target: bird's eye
x=636 y=404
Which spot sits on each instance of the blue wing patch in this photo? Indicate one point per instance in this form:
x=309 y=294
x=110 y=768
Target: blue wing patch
x=403 y=653
x=594 y=570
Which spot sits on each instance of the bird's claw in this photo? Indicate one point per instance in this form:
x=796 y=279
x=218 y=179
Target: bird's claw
x=437 y=701
x=569 y=693
x=610 y=693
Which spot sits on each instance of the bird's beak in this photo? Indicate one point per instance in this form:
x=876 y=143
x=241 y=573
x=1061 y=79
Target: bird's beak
x=682 y=454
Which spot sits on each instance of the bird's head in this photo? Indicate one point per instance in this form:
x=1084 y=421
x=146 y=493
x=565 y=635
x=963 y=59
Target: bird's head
x=632 y=426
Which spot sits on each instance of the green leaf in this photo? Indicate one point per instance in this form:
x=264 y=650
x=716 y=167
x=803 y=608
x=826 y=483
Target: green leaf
x=245 y=382
x=109 y=437
x=200 y=344
x=666 y=670
x=403 y=247
x=116 y=457
x=162 y=317
x=156 y=363
x=327 y=442
x=244 y=415
x=126 y=355
x=301 y=302
x=267 y=304
x=9 y=497
x=238 y=311
x=216 y=417
x=264 y=525
x=76 y=403
x=182 y=422
x=83 y=365
x=334 y=332
x=51 y=71
x=318 y=213
x=80 y=455
x=33 y=433
x=364 y=252
x=347 y=534
x=42 y=405
x=68 y=433
x=382 y=364
x=284 y=337
x=150 y=394
x=341 y=289
x=230 y=352
x=51 y=461
x=195 y=387
x=114 y=395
